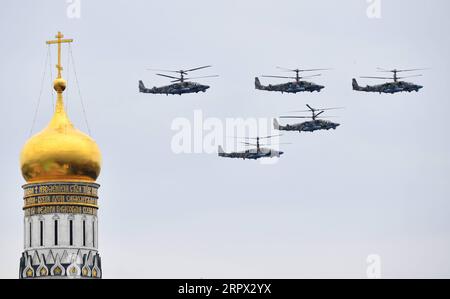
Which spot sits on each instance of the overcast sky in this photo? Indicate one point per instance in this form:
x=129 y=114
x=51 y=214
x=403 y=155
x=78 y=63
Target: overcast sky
x=376 y=185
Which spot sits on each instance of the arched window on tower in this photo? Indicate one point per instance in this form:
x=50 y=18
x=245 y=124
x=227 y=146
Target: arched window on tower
x=41 y=233
x=31 y=235
x=93 y=233
x=84 y=232
x=71 y=232
x=56 y=232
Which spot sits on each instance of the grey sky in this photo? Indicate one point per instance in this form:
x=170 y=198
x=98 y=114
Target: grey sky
x=377 y=185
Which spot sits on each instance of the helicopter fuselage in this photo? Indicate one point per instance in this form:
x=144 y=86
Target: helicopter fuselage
x=252 y=154
x=290 y=87
x=308 y=126
x=390 y=87
x=174 y=89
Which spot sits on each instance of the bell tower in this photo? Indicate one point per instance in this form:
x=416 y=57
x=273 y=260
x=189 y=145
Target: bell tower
x=60 y=166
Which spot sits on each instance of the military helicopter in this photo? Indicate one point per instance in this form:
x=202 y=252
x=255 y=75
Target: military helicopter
x=390 y=87
x=310 y=126
x=254 y=153
x=292 y=87
x=180 y=85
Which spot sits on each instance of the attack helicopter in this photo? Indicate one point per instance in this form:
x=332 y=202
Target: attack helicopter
x=292 y=87
x=180 y=85
x=310 y=126
x=390 y=87
x=254 y=153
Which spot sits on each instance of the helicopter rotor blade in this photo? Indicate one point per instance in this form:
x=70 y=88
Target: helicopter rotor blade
x=321 y=112
x=285 y=69
x=275 y=145
x=212 y=76
x=400 y=71
x=299 y=111
x=326 y=109
x=318 y=109
x=409 y=77
x=412 y=70
x=272 y=136
x=272 y=143
x=159 y=70
x=255 y=138
x=384 y=70
x=306 y=77
x=314 y=70
x=307 y=117
x=184 y=72
x=285 y=77
x=197 y=68
x=167 y=76
x=370 y=77
x=248 y=144
x=301 y=70
x=295 y=117
x=264 y=137
x=280 y=77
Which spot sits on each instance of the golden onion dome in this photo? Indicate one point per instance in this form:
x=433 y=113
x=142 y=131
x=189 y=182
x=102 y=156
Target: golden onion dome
x=60 y=152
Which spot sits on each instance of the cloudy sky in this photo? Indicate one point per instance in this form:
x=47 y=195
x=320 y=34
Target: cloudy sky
x=376 y=185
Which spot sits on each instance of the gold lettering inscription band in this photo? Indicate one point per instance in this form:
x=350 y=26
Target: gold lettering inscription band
x=64 y=199
x=61 y=188
x=71 y=198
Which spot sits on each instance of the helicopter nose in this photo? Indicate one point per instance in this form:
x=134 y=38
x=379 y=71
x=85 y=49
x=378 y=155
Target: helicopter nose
x=281 y=153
